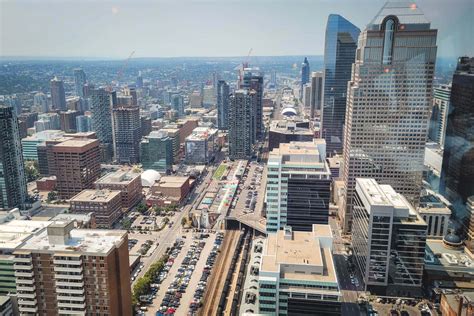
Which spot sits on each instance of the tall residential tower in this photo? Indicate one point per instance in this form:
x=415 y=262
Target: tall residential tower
x=222 y=104
x=13 y=191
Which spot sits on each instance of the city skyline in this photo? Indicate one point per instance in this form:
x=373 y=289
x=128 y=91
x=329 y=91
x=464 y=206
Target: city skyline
x=150 y=29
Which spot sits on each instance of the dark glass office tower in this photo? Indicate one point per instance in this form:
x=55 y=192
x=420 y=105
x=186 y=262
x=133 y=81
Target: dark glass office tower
x=79 y=81
x=58 y=96
x=12 y=175
x=305 y=71
x=222 y=104
x=457 y=174
x=101 y=104
x=339 y=54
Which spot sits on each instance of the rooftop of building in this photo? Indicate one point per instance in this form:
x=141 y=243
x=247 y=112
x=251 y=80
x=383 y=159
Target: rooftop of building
x=201 y=133
x=44 y=135
x=76 y=143
x=300 y=153
x=439 y=254
x=122 y=176
x=454 y=299
x=89 y=241
x=295 y=248
x=384 y=195
x=407 y=12
x=172 y=181
x=96 y=196
x=14 y=233
x=292 y=126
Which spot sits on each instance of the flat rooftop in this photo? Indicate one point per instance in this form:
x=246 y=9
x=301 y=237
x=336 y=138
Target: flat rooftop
x=76 y=143
x=89 y=241
x=440 y=255
x=175 y=182
x=14 y=233
x=304 y=248
x=123 y=176
x=97 y=196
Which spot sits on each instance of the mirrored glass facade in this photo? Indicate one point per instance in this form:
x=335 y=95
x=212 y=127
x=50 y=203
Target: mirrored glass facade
x=339 y=55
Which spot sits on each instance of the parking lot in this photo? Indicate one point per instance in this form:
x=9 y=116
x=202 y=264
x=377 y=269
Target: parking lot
x=183 y=281
x=398 y=307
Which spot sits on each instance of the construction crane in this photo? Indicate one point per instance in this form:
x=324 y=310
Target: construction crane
x=124 y=67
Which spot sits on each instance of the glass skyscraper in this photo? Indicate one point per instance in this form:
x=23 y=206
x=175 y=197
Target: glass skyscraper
x=222 y=104
x=79 y=81
x=339 y=55
x=457 y=174
x=305 y=71
x=389 y=102
x=13 y=191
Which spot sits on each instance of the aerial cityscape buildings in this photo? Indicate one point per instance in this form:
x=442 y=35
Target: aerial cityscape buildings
x=251 y=185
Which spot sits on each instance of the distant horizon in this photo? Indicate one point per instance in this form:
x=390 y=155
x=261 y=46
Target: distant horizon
x=108 y=30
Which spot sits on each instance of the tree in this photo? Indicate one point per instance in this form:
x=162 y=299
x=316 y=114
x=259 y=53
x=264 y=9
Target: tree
x=31 y=170
x=166 y=220
x=184 y=221
x=142 y=208
x=126 y=223
x=53 y=195
x=141 y=287
x=157 y=210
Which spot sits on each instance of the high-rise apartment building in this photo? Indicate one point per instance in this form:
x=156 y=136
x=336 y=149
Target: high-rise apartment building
x=253 y=80
x=298 y=186
x=67 y=271
x=388 y=240
x=79 y=82
x=67 y=121
x=83 y=123
x=139 y=82
x=223 y=93
x=13 y=191
x=101 y=104
x=127 y=134
x=58 y=96
x=305 y=72
x=389 y=102
x=40 y=101
x=457 y=173
x=316 y=102
x=242 y=123
x=76 y=165
x=177 y=103
x=156 y=151
x=439 y=114
x=306 y=96
x=297 y=275
x=339 y=54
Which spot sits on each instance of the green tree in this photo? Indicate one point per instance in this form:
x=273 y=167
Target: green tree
x=126 y=223
x=141 y=287
x=142 y=208
x=31 y=170
x=52 y=196
x=184 y=221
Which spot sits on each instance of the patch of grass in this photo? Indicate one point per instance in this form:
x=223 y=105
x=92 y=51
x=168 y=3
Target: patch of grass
x=219 y=172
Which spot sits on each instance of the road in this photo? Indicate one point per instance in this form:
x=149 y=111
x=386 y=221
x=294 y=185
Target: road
x=169 y=237
x=349 y=291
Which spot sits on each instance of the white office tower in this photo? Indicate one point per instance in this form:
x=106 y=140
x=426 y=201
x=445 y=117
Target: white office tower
x=389 y=99
x=388 y=240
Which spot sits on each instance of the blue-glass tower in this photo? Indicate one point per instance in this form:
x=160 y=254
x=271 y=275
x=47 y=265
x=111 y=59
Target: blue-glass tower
x=305 y=71
x=339 y=54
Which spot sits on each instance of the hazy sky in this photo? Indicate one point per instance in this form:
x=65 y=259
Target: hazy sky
x=162 y=28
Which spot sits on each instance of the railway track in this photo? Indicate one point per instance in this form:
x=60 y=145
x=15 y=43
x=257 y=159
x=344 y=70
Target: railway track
x=218 y=274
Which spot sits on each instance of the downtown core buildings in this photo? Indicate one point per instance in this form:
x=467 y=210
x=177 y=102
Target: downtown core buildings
x=389 y=102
